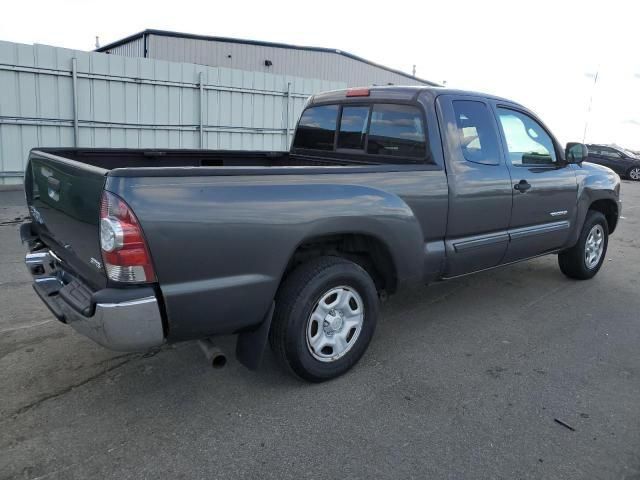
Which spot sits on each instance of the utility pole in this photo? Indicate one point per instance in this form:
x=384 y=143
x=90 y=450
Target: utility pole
x=586 y=120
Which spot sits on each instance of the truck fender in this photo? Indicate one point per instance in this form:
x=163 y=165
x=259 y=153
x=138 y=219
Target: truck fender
x=595 y=183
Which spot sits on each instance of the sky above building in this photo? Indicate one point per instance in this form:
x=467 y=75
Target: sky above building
x=543 y=54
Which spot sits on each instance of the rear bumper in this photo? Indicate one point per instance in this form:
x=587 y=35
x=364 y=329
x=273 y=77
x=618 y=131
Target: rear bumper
x=127 y=326
x=124 y=320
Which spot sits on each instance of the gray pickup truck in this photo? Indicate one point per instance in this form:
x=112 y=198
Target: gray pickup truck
x=383 y=187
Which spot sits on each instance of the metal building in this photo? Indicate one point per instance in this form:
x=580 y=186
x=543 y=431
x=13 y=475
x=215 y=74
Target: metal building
x=56 y=97
x=256 y=56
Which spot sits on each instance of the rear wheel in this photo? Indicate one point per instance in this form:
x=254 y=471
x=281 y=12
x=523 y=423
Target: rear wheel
x=634 y=173
x=325 y=316
x=585 y=258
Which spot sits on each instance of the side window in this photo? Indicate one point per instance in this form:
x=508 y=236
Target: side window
x=476 y=131
x=353 y=127
x=317 y=128
x=397 y=131
x=527 y=142
x=610 y=152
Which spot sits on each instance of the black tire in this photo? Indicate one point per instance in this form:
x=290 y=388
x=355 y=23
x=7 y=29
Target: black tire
x=634 y=172
x=297 y=298
x=572 y=261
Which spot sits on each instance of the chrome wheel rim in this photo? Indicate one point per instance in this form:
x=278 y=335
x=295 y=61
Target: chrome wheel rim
x=335 y=324
x=635 y=173
x=594 y=246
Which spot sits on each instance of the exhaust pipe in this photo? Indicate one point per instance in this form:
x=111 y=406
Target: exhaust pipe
x=215 y=356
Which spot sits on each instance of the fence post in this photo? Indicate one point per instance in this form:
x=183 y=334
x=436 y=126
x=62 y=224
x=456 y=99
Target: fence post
x=287 y=116
x=201 y=111
x=74 y=77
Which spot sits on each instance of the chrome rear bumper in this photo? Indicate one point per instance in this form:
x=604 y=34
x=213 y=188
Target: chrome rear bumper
x=133 y=324
x=127 y=326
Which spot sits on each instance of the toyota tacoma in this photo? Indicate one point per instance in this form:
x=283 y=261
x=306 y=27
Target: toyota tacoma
x=383 y=187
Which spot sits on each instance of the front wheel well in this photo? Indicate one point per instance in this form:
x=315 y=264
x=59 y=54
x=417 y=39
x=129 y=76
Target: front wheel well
x=365 y=250
x=609 y=209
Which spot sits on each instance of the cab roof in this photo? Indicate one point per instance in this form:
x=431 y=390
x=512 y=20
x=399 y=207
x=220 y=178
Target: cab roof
x=397 y=93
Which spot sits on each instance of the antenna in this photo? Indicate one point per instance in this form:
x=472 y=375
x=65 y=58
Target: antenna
x=414 y=71
x=97 y=41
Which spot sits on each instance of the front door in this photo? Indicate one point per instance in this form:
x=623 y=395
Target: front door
x=544 y=188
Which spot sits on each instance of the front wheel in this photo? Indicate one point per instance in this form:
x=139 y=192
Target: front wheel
x=584 y=259
x=325 y=316
x=634 y=173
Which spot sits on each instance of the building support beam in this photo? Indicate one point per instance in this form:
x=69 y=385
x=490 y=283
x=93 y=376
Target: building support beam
x=74 y=83
x=201 y=84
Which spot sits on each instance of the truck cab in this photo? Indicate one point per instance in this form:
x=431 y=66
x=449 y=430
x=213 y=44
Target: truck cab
x=512 y=193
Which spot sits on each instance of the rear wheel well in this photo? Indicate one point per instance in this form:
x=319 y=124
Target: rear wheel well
x=365 y=250
x=610 y=211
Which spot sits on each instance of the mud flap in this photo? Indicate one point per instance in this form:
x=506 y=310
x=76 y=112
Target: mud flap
x=250 y=345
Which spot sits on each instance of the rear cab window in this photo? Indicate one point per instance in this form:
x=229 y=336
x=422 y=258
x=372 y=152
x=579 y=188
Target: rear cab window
x=317 y=128
x=353 y=127
x=380 y=132
x=397 y=131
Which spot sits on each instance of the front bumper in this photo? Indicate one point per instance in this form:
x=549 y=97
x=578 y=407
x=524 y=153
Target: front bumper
x=126 y=320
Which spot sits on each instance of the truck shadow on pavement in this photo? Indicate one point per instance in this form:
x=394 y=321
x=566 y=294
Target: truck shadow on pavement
x=407 y=319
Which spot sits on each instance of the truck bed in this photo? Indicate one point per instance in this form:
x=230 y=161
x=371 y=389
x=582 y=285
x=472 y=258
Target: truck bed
x=112 y=158
x=64 y=187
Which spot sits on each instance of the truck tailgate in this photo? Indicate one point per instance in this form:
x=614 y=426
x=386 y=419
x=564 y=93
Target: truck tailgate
x=64 y=201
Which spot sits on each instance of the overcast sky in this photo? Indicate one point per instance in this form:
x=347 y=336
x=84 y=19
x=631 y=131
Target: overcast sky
x=543 y=54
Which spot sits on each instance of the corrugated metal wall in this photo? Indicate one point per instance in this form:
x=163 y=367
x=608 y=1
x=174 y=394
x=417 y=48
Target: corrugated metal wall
x=133 y=48
x=138 y=103
x=245 y=56
x=286 y=61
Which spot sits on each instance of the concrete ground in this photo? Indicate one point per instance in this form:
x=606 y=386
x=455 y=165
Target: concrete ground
x=463 y=380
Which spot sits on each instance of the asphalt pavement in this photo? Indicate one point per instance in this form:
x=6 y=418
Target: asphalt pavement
x=464 y=379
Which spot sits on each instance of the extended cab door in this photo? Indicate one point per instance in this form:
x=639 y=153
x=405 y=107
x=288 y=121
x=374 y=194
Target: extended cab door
x=544 y=187
x=479 y=185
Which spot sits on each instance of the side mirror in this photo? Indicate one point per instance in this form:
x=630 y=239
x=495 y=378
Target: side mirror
x=576 y=152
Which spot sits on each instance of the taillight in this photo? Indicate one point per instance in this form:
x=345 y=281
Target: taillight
x=124 y=250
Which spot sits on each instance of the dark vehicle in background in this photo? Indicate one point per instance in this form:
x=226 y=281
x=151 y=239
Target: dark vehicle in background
x=383 y=188
x=624 y=162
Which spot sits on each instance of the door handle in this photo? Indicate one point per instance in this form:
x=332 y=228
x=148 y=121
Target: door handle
x=522 y=186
